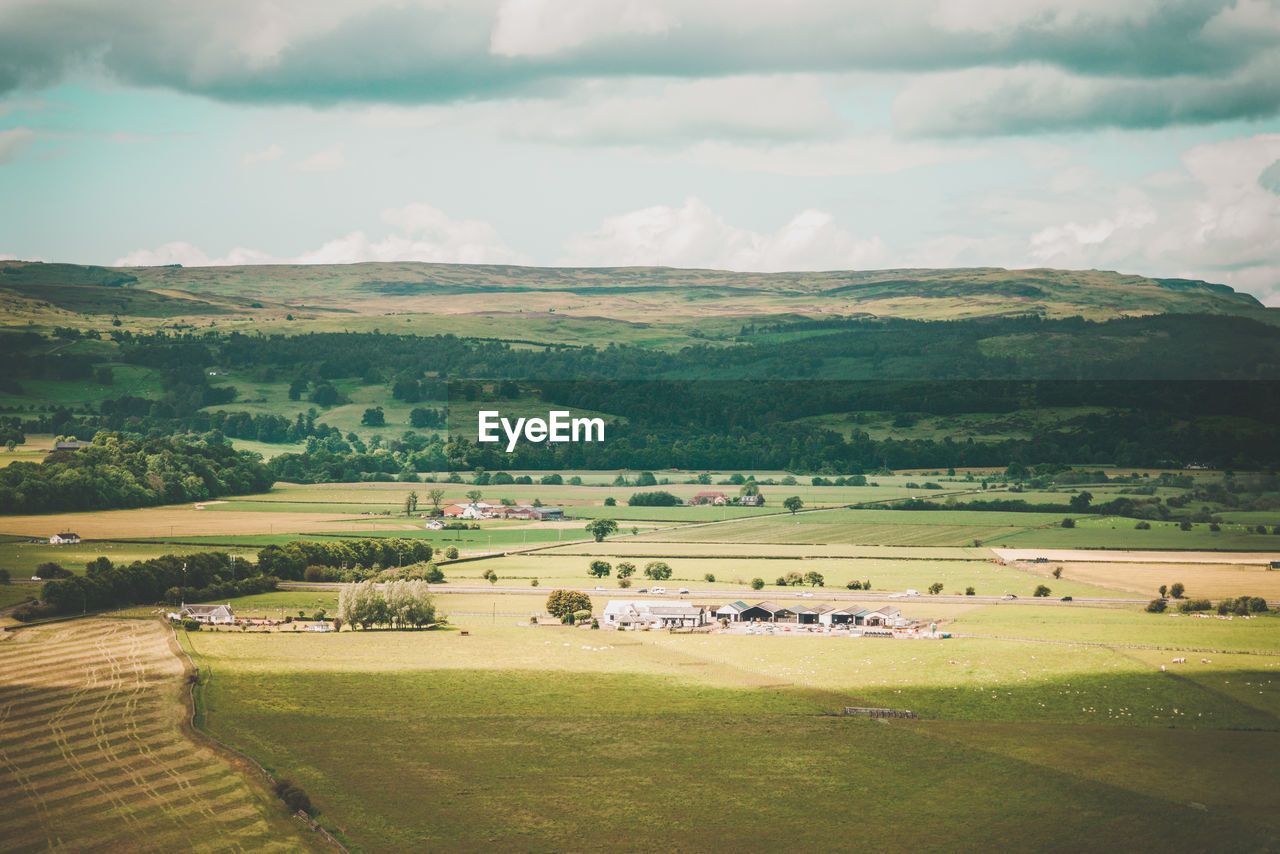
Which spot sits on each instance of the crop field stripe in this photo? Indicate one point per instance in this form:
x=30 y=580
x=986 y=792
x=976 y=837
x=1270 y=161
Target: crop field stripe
x=92 y=757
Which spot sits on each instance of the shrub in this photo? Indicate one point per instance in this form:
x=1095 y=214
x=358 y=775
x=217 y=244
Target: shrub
x=709 y=578
x=1176 y=590
x=935 y=588
x=433 y=575
x=623 y=582
x=1041 y=591
x=757 y=583
x=1184 y=525
x=1068 y=522
x=1143 y=526
x=191 y=625
x=611 y=502
x=1190 y=605
x=968 y=591
x=451 y=553
x=1156 y=606
x=854 y=585
x=1057 y=572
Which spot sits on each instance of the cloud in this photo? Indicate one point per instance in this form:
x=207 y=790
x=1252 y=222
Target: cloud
x=1044 y=99
x=436 y=51
x=693 y=235
x=273 y=151
x=422 y=233
x=187 y=255
x=12 y=143
x=326 y=160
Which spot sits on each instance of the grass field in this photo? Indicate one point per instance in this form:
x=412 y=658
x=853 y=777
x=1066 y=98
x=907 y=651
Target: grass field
x=92 y=757
x=503 y=739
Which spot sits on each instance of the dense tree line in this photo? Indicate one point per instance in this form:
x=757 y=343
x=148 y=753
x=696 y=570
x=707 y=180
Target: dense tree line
x=171 y=579
x=291 y=560
x=116 y=472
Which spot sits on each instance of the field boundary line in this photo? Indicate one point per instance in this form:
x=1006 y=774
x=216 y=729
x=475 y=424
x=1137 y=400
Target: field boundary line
x=235 y=756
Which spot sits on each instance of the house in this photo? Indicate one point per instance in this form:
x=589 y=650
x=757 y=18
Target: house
x=214 y=615
x=637 y=613
x=751 y=501
x=767 y=612
x=716 y=498
x=731 y=612
x=67 y=538
x=434 y=525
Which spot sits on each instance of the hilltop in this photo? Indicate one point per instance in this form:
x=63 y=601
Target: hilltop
x=577 y=305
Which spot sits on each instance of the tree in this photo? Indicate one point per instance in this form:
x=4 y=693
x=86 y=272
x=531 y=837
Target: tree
x=793 y=503
x=563 y=603
x=657 y=570
x=490 y=576
x=52 y=570
x=1156 y=606
x=969 y=591
x=451 y=553
x=646 y=478
x=757 y=583
x=410 y=503
x=935 y=588
x=611 y=502
x=599 y=568
x=4 y=576
x=814 y=579
x=1176 y=590
x=474 y=495
x=792 y=579
x=709 y=578
x=626 y=569
x=1057 y=572
x=1068 y=522
x=1164 y=589
x=601 y=528
x=1184 y=525
x=1041 y=591
x=749 y=488
x=1079 y=502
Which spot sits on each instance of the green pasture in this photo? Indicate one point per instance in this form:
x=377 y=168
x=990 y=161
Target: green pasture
x=735 y=574
x=21 y=559
x=501 y=740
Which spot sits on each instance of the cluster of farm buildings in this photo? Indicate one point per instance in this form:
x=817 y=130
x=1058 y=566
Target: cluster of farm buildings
x=482 y=510
x=658 y=614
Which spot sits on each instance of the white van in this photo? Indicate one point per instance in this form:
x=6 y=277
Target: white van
x=658 y=590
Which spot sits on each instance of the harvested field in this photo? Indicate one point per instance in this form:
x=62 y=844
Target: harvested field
x=172 y=521
x=93 y=758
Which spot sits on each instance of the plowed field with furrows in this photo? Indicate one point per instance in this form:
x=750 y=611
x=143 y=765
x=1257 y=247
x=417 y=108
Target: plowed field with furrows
x=92 y=756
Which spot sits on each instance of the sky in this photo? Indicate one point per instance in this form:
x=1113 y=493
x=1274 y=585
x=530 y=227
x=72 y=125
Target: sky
x=1141 y=136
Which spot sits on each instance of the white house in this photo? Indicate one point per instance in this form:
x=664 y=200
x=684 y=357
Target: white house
x=214 y=615
x=66 y=538
x=434 y=525
x=633 y=614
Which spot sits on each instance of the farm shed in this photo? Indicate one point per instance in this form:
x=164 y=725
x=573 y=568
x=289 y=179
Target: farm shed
x=805 y=615
x=768 y=612
x=732 y=612
x=627 y=613
x=833 y=616
x=66 y=538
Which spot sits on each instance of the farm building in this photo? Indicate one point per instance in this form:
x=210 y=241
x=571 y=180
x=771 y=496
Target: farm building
x=846 y=616
x=805 y=615
x=632 y=614
x=70 y=445
x=66 y=538
x=732 y=612
x=767 y=612
x=434 y=525
x=214 y=615
x=716 y=498
x=752 y=500
x=548 y=514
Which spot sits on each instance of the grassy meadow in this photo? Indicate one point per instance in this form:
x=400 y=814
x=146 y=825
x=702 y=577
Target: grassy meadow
x=497 y=740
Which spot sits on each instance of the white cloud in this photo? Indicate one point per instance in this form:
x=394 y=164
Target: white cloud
x=13 y=141
x=542 y=27
x=773 y=107
x=183 y=253
x=274 y=151
x=326 y=160
x=425 y=234
x=693 y=235
x=870 y=155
